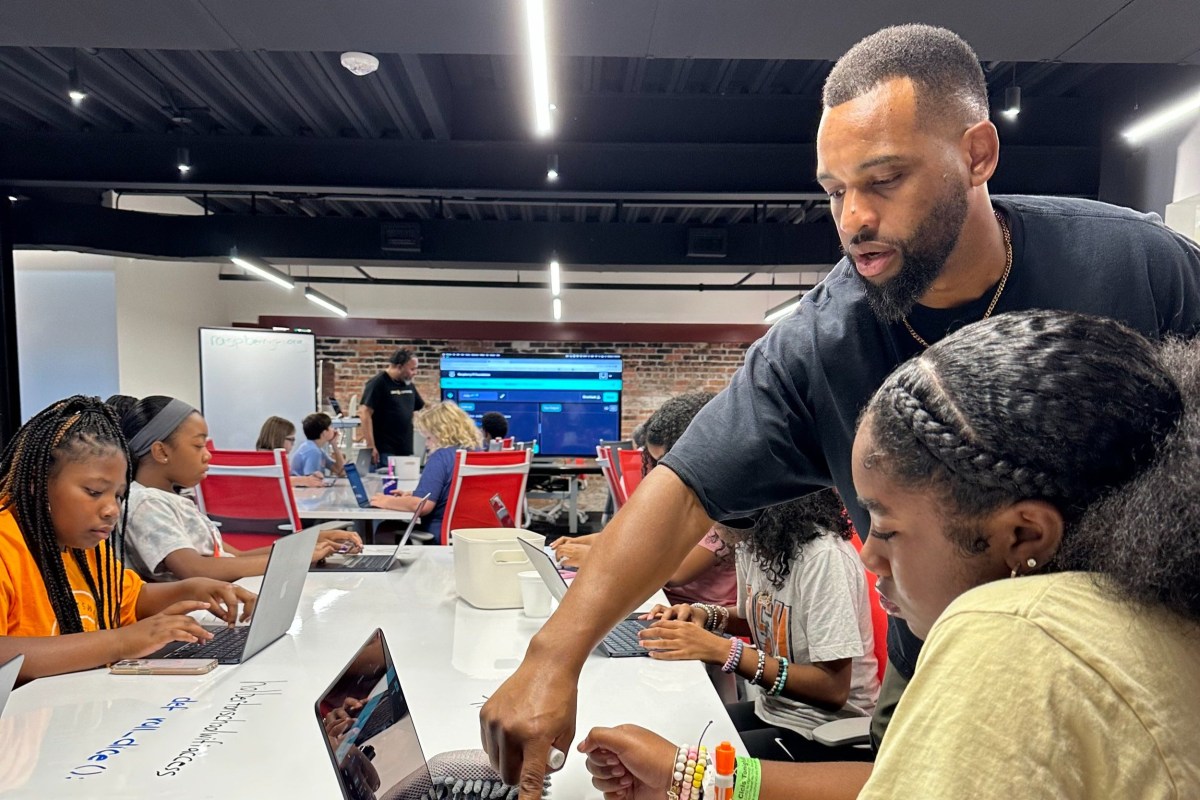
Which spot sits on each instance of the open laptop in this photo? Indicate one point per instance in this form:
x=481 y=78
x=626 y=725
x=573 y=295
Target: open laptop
x=621 y=641
x=356 y=485
x=278 y=600
x=370 y=563
x=8 y=678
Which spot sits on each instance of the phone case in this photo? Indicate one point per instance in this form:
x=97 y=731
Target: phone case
x=163 y=666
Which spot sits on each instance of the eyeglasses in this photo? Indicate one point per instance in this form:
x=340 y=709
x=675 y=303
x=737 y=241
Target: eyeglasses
x=290 y=439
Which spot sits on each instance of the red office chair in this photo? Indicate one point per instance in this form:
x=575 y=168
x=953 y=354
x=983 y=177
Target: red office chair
x=605 y=459
x=248 y=493
x=477 y=477
x=508 y=443
x=631 y=470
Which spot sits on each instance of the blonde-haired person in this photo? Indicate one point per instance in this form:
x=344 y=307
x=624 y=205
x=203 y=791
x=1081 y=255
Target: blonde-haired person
x=447 y=429
x=277 y=433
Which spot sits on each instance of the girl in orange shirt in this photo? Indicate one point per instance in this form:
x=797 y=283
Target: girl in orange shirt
x=66 y=602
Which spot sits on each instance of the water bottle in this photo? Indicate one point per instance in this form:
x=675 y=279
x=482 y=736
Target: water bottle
x=501 y=511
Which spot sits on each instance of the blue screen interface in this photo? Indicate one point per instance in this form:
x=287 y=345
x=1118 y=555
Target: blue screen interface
x=565 y=405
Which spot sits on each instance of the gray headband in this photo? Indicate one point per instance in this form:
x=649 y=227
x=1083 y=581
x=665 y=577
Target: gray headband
x=160 y=426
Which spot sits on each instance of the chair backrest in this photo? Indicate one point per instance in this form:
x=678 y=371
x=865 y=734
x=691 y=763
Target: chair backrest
x=249 y=492
x=879 y=617
x=631 y=469
x=607 y=461
x=478 y=475
x=508 y=443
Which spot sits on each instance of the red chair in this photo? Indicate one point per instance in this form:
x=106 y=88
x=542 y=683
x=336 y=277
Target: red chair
x=248 y=493
x=606 y=459
x=879 y=617
x=508 y=443
x=478 y=475
x=631 y=470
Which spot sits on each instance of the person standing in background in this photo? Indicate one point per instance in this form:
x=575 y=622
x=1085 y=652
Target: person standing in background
x=388 y=402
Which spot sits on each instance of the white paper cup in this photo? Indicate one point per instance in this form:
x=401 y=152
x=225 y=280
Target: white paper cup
x=535 y=597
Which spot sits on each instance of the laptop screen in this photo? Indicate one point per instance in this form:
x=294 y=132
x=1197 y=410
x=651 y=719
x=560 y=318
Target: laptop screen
x=356 y=486
x=546 y=568
x=369 y=731
x=8 y=677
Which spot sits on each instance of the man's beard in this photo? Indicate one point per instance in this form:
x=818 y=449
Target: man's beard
x=922 y=257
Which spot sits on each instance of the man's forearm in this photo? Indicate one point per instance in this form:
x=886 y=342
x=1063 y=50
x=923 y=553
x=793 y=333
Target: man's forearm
x=640 y=549
x=364 y=419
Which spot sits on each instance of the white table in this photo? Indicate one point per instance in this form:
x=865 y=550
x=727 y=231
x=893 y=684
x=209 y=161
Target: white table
x=337 y=502
x=449 y=656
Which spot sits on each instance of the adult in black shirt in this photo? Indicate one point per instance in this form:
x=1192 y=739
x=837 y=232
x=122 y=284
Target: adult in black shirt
x=905 y=150
x=387 y=407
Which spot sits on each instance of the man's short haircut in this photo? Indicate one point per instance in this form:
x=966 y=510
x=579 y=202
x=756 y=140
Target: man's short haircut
x=494 y=424
x=943 y=67
x=401 y=357
x=315 y=424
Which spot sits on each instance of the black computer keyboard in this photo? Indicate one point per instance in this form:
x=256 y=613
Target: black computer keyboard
x=226 y=645
x=622 y=641
x=369 y=562
x=380 y=719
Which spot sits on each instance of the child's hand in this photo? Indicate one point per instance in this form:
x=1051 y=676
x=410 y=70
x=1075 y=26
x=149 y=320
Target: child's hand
x=343 y=541
x=223 y=598
x=310 y=481
x=684 y=612
x=683 y=641
x=628 y=762
x=572 y=554
x=382 y=501
x=322 y=551
x=171 y=625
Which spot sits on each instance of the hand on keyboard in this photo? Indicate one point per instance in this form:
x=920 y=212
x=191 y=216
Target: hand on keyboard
x=684 y=641
x=222 y=598
x=171 y=625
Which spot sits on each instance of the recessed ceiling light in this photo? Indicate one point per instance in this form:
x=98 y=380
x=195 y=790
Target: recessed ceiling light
x=360 y=63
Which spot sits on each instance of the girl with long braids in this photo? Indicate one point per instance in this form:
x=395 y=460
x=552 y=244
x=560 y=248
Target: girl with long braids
x=1032 y=482
x=802 y=598
x=168 y=536
x=66 y=602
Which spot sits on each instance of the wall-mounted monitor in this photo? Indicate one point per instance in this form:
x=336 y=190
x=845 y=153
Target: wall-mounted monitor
x=564 y=404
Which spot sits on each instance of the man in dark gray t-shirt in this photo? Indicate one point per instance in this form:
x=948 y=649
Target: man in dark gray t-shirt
x=905 y=151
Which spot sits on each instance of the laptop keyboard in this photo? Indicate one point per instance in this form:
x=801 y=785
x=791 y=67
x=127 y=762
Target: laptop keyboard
x=622 y=641
x=227 y=644
x=369 y=562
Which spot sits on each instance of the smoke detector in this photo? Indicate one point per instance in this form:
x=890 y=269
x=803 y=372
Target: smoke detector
x=360 y=63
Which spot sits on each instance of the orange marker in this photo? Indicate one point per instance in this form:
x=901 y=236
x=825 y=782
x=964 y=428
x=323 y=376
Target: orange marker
x=726 y=761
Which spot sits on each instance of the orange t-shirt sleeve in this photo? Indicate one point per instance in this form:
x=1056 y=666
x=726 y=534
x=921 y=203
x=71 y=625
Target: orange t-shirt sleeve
x=132 y=590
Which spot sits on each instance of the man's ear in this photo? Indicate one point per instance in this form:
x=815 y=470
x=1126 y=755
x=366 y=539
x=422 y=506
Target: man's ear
x=980 y=147
x=1028 y=530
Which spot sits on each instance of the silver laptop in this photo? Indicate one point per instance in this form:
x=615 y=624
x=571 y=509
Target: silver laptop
x=372 y=563
x=8 y=678
x=621 y=641
x=278 y=600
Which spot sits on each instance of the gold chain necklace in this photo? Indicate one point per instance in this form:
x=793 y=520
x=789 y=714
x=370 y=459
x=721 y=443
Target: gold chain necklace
x=999 y=288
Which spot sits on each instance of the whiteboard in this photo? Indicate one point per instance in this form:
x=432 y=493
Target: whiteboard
x=247 y=375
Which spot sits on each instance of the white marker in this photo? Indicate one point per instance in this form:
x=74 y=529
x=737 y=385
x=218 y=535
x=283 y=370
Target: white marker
x=557 y=759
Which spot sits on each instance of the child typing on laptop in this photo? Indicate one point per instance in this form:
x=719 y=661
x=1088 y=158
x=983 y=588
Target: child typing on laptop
x=63 y=478
x=168 y=537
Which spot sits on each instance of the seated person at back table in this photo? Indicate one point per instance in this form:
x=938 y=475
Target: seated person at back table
x=707 y=574
x=447 y=429
x=1032 y=483
x=66 y=601
x=280 y=434
x=167 y=535
x=495 y=428
x=311 y=457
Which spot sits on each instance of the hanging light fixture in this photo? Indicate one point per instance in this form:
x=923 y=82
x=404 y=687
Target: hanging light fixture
x=183 y=161
x=325 y=301
x=261 y=269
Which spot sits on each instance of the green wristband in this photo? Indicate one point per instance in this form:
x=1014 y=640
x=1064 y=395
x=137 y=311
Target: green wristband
x=747 y=779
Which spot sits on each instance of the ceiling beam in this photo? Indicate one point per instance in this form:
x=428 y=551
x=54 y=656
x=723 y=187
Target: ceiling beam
x=763 y=172
x=614 y=246
x=429 y=83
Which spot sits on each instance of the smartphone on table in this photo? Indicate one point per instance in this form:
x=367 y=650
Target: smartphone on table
x=163 y=666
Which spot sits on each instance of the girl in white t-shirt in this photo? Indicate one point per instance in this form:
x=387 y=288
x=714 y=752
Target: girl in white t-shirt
x=803 y=601
x=167 y=537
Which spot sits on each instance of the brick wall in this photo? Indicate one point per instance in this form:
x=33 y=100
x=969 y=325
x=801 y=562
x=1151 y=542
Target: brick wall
x=654 y=371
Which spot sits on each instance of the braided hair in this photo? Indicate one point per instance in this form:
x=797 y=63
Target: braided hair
x=69 y=430
x=1044 y=405
x=781 y=532
x=668 y=423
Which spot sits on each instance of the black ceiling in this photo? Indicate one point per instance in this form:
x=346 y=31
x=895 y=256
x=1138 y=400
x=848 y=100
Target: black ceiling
x=669 y=113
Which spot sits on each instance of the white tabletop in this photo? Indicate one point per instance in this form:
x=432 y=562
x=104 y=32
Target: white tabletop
x=337 y=501
x=264 y=739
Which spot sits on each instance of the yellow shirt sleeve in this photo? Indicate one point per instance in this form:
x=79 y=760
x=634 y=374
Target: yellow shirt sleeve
x=999 y=709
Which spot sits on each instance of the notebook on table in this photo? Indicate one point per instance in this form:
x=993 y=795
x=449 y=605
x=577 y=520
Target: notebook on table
x=278 y=600
x=370 y=563
x=8 y=677
x=621 y=641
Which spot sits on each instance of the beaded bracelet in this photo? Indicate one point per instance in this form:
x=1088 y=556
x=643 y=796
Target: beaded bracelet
x=780 y=679
x=676 y=789
x=762 y=664
x=735 y=655
x=723 y=619
x=747 y=779
x=693 y=772
x=708 y=614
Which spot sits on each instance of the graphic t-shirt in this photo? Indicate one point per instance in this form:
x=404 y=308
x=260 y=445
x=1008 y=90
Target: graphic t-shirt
x=392 y=404
x=25 y=608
